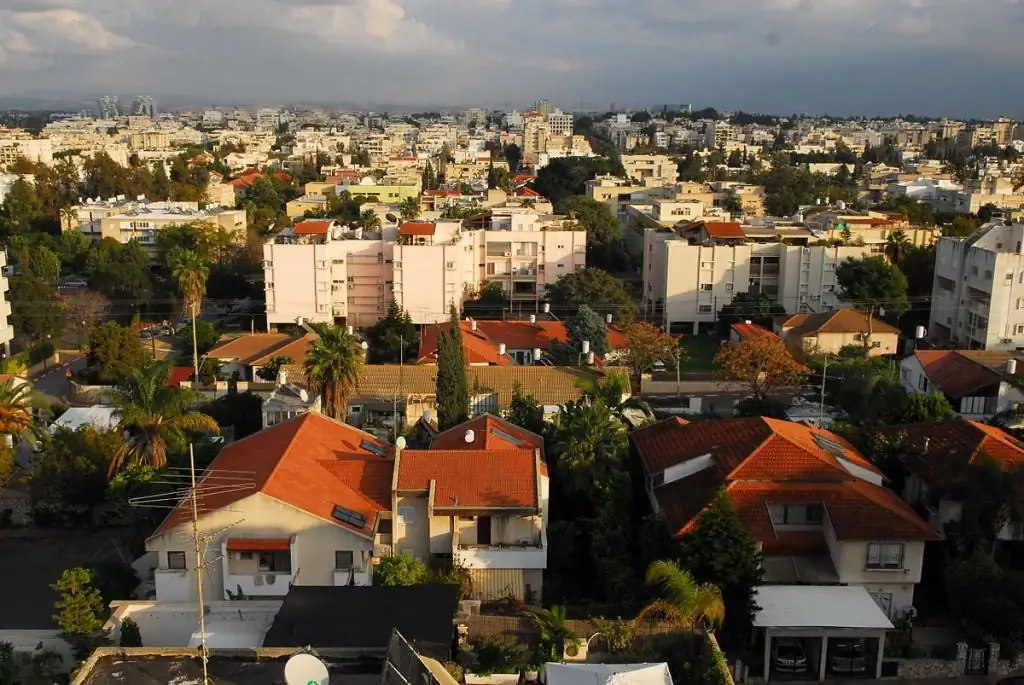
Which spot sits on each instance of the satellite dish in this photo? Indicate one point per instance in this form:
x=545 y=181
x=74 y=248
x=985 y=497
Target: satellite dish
x=303 y=395
x=391 y=217
x=470 y=436
x=306 y=669
x=400 y=443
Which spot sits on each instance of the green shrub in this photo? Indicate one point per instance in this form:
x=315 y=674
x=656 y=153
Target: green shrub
x=131 y=636
x=494 y=655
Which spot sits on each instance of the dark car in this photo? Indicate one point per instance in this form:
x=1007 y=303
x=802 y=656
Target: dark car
x=788 y=655
x=848 y=656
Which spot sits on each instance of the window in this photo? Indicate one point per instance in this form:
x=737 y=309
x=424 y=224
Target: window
x=705 y=287
x=704 y=309
x=270 y=285
x=321 y=264
x=830 y=266
x=905 y=374
x=384 y=527
x=449 y=265
x=407 y=515
x=988 y=274
x=275 y=562
x=796 y=514
x=922 y=383
x=337 y=261
x=885 y=555
x=972 y=405
x=728 y=287
x=707 y=265
x=343 y=560
x=176 y=561
x=1018 y=329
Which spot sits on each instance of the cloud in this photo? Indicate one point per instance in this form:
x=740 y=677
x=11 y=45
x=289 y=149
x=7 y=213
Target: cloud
x=858 y=56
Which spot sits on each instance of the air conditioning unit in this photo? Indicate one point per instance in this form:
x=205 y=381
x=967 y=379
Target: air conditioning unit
x=575 y=650
x=351 y=286
x=508 y=254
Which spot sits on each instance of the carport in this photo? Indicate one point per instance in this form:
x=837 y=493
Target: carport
x=816 y=613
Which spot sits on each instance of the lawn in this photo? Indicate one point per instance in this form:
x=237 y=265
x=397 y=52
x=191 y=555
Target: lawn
x=700 y=351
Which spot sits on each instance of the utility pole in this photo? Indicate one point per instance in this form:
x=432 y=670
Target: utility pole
x=195 y=346
x=198 y=544
x=821 y=404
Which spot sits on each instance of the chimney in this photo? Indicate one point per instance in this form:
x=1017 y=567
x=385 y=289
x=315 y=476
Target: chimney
x=282 y=377
x=501 y=349
x=472 y=324
x=608 y=319
x=547 y=308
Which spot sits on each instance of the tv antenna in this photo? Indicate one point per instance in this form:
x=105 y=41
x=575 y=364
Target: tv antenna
x=185 y=489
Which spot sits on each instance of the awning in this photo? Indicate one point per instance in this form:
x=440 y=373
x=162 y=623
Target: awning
x=259 y=544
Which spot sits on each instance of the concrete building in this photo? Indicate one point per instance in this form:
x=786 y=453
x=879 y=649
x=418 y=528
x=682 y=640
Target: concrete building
x=560 y=123
x=6 y=331
x=322 y=273
x=651 y=170
x=978 y=292
x=690 y=275
x=16 y=144
x=125 y=220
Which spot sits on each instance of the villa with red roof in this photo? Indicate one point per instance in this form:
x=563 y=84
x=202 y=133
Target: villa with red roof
x=815 y=505
x=313 y=501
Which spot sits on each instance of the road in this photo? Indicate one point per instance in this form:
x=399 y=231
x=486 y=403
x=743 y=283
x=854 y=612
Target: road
x=54 y=382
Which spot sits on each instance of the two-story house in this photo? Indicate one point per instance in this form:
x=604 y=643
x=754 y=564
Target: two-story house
x=313 y=501
x=816 y=506
x=302 y=502
x=828 y=332
x=978 y=383
x=480 y=496
x=937 y=458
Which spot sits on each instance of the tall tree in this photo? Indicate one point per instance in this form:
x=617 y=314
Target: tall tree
x=332 y=368
x=113 y=351
x=872 y=285
x=393 y=338
x=190 y=272
x=758 y=309
x=154 y=416
x=79 y=609
x=603 y=230
x=763 y=364
x=589 y=443
x=37 y=312
x=83 y=310
x=17 y=405
x=586 y=326
x=721 y=551
x=409 y=208
x=648 y=345
x=595 y=288
x=371 y=221
x=427 y=179
x=452 y=380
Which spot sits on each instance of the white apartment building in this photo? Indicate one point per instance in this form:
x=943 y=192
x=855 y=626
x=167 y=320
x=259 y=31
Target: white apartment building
x=691 y=282
x=978 y=292
x=6 y=330
x=560 y=123
x=125 y=220
x=651 y=170
x=15 y=144
x=322 y=273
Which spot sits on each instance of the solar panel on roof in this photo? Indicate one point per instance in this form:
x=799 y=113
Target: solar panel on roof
x=373 y=448
x=829 y=445
x=353 y=518
x=505 y=436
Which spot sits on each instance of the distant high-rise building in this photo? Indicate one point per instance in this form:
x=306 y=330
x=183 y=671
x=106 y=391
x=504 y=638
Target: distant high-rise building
x=543 y=108
x=108 y=107
x=144 y=106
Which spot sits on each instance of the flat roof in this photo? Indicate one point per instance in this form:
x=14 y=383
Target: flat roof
x=818 y=606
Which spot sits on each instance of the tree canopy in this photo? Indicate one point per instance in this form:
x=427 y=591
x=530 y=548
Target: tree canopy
x=595 y=288
x=762 y=363
x=872 y=282
x=394 y=337
x=113 y=350
x=567 y=176
x=452 y=381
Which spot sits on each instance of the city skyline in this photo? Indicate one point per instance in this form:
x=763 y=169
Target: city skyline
x=779 y=56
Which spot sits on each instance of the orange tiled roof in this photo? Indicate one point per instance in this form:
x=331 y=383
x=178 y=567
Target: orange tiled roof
x=245 y=348
x=752 y=330
x=523 y=178
x=489 y=433
x=295 y=348
x=763 y=461
x=310 y=227
x=954 y=374
x=311 y=463
x=179 y=374
x=937 y=453
x=414 y=228
x=717 y=229
x=527 y=192
x=478 y=348
x=836 y=321
x=517 y=335
x=474 y=479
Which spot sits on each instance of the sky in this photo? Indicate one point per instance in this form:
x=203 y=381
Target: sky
x=930 y=57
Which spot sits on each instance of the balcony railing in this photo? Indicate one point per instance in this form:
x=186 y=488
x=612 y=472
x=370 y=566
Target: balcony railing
x=345 y=577
x=531 y=555
x=259 y=584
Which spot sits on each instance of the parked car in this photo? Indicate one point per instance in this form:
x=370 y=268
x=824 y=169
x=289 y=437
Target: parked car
x=848 y=656
x=789 y=656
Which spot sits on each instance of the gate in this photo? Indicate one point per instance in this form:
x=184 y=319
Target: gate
x=977 y=661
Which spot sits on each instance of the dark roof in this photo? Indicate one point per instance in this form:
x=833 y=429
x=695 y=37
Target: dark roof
x=363 y=617
x=152 y=669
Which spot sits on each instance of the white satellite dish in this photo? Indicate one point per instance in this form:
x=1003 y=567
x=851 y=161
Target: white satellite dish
x=400 y=443
x=306 y=669
x=470 y=436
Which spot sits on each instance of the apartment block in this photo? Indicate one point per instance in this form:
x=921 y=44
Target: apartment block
x=16 y=144
x=6 y=330
x=651 y=170
x=322 y=273
x=978 y=292
x=125 y=220
x=690 y=275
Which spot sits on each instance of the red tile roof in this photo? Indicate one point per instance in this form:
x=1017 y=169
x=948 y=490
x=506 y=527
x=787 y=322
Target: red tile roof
x=259 y=544
x=517 y=335
x=523 y=178
x=472 y=479
x=311 y=463
x=478 y=348
x=246 y=348
x=752 y=330
x=763 y=461
x=954 y=374
x=527 y=192
x=938 y=453
x=311 y=227
x=489 y=433
x=414 y=228
x=179 y=375
x=717 y=229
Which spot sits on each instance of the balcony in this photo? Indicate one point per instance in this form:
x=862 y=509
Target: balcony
x=525 y=555
x=345 y=577
x=258 y=567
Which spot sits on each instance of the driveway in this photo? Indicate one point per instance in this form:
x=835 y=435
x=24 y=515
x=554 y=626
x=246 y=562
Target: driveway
x=31 y=561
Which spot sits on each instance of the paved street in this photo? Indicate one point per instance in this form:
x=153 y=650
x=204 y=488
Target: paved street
x=54 y=382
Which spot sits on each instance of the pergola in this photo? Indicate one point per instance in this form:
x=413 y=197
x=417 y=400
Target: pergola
x=819 y=612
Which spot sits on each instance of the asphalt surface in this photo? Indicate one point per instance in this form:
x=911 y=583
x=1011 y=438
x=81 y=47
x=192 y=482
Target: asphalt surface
x=54 y=382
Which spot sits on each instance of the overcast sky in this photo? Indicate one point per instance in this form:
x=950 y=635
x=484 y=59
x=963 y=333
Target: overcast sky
x=956 y=57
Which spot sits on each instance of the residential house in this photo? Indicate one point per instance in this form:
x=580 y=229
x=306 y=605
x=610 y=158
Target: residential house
x=815 y=505
x=829 y=332
x=301 y=503
x=937 y=456
x=507 y=342
x=479 y=494
x=746 y=330
x=979 y=384
x=248 y=353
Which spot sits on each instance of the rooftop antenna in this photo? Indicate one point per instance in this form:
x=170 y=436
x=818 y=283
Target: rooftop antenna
x=186 y=491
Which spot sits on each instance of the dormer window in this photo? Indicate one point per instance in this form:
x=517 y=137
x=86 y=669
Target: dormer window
x=796 y=514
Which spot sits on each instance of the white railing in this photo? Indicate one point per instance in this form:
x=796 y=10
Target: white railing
x=502 y=555
x=262 y=584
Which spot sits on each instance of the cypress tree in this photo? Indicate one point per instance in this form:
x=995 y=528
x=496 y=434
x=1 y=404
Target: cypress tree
x=452 y=379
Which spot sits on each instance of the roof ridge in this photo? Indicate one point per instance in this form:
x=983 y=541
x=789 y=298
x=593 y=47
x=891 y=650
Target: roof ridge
x=890 y=501
x=834 y=464
x=302 y=420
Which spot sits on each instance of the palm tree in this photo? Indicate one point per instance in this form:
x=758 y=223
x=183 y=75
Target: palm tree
x=409 y=208
x=554 y=630
x=332 y=368
x=896 y=246
x=16 y=416
x=68 y=216
x=684 y=602
x=153 y=415
x=190 y=272
x=615 y=391
x=589 y=442
x=370 y=220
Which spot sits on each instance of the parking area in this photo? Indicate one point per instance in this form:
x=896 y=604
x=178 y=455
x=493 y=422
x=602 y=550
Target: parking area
x=30 y=564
